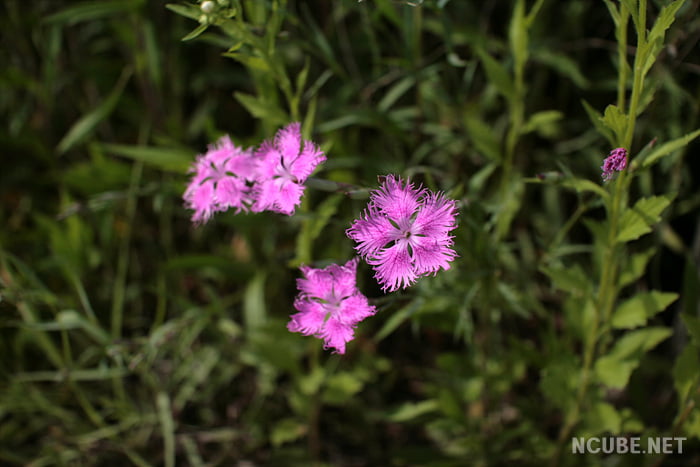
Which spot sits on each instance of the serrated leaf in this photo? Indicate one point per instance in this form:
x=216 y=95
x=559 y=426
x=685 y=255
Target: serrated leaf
x=686 y=371
x=668 y=147
x=597 y=120
x=497 y=75
x=635 y=267
x=615 y=368
x=692 y=324
x=666 y=17
x=616 y=120
x=655 y=39
x=637 y=310
x=559 y=380
x=639 y=219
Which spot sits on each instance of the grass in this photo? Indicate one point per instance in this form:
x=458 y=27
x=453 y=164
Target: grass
x=130 y=336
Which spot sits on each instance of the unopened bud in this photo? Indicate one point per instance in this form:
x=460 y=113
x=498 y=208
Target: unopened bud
x=207 y=7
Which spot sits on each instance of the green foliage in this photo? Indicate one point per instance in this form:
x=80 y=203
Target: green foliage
x=130 y=336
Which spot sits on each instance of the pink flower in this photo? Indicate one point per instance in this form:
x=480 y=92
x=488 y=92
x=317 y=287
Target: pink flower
x=219 y=180
x=404 y=233
x=283 y=167
x=330 y=305
x=615 y=162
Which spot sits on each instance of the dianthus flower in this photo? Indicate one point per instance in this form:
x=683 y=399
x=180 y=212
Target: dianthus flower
x=615 y=162
x=220 y=180
x=404 y=233
x=283 y=166
x=330 y=305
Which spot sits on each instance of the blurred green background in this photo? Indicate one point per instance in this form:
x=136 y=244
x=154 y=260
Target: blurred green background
x=128 y=336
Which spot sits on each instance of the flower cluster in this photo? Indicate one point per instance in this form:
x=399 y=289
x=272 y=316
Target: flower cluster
x=283 y=166
x=404 y=233
x=269 y=178
x=330 y=305
x=221 y=180
x=615 y=162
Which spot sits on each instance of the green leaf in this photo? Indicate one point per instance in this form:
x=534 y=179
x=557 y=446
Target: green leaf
x=250 y=61
x=581 y=185
x=411 y=410
x=254 y=310
x=686 y=371
x=616 y=120
x=692 y=324
x=311 y=228
x=261 y=109
x=195 y=33
x=186 y=10
x=90 y=11
x=517 y=34
x=85 y=126
x=571 y=279
x=541 y=120
x=167 y=425
x=340 y=387
x=287 y=430
x=633 y=10
x=615 y=368
x=655 y=39
x=397 y=318
x=169 y=159
x=667 y=148
x=395 y=92
x=603 y=417
x=637 y=310
x=311 y=382
x=635 y=267
x=597 y=120
x=483 y=137
x=497 y=75
x=614 y=13
x=691 y=287
x=563 y=64
x=559 y=380
x=639 y=219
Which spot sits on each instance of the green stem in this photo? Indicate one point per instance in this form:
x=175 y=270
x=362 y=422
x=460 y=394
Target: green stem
x=622 y=57
x=608 y=285
x=638 y=83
